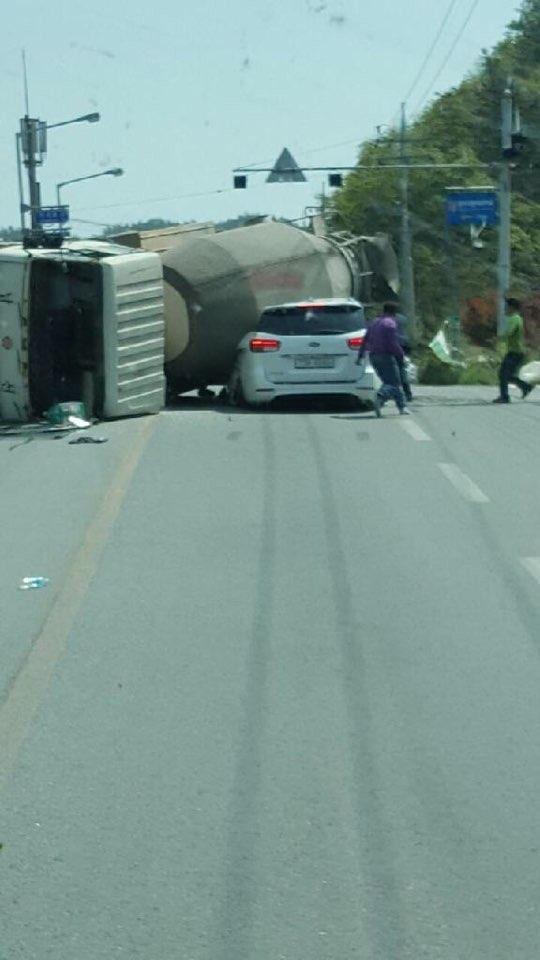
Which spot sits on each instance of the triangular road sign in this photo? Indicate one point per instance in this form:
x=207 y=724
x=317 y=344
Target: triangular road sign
x=286 y=170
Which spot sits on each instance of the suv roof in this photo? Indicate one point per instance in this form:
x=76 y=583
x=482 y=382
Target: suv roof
x=319 y=302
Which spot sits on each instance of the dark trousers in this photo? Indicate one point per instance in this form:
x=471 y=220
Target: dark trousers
x=405 y=383
x=387 y=369
x=507 y=374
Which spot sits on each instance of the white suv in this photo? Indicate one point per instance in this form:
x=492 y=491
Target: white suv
x=304 y=348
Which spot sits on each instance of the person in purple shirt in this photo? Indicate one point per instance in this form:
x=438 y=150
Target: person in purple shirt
x=386 y=354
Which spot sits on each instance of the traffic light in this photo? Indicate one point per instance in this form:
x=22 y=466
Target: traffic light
x=335 y=180
x=240 y=182
x=518 y=143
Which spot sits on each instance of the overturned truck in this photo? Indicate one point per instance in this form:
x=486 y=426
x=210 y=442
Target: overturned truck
x=82 y=322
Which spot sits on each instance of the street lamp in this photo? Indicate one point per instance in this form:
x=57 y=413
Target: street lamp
x=114 y=172
x=86 y=118
x=31 y=142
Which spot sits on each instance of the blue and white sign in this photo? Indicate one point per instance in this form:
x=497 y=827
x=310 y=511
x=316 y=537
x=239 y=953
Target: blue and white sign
x=464 y=207
x=52 y=215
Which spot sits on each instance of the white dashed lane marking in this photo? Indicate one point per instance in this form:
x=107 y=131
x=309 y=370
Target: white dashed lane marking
x=462 y=483
x=532 y=564
x=414 y=430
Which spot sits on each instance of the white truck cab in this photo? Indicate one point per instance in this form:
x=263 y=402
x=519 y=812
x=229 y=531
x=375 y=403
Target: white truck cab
x=84 y=323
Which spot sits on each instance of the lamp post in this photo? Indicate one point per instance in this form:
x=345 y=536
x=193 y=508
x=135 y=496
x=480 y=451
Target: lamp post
x=86 y=118
x=31 y=143
x=114 y=172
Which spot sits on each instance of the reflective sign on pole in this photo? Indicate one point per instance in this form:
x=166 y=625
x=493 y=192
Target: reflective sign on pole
x=286 y=170
x=477 y=205
x=52 y=215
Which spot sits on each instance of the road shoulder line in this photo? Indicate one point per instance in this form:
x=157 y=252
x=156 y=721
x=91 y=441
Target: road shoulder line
x=31 y=683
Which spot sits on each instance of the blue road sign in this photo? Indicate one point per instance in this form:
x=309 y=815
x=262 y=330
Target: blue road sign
x=52 y=215
x=472 y=206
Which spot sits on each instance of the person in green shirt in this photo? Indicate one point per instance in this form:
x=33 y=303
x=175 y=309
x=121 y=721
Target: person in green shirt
x=513 y=338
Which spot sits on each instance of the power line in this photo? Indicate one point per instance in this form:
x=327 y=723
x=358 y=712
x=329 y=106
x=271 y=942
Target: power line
x=434 y=43
x=139 y=202
x=309 y=150
x=92 y=223
x=343 y=143
x=460 y=33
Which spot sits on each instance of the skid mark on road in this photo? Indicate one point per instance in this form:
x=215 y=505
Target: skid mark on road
x=384 y=917
x=234 y=935
x=30 y=684
x=414 y=430
x=462 y=483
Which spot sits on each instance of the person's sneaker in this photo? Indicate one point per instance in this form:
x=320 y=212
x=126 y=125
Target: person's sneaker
x=501 y=400
x=525 y=391
x=404 y=412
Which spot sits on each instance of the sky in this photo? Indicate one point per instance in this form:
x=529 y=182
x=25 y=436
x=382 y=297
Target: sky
x=187 y=91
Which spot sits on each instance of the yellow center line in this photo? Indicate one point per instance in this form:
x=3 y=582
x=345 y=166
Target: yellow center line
x=32 y=680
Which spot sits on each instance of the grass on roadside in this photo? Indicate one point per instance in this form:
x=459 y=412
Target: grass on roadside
x=481 y=368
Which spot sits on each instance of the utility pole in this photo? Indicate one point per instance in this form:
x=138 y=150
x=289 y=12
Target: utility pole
x=22 y=206
x=31 y=140
x=323 y=202
x=505 y=207
x=407 y=271
x=33 y=143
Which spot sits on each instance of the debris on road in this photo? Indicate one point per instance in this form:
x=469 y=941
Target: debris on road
x=72 y=412
x=69 y=414
x=33 y=583
x=43 y=427
x=79 y=423
x=32 y=430
x=530 y=373
x=24 y=442
x=88 y=440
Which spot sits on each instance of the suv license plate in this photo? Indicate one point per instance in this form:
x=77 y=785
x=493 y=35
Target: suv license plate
x=310 y=363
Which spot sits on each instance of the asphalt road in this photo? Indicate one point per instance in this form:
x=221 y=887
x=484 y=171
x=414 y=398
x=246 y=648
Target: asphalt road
x=280 y=700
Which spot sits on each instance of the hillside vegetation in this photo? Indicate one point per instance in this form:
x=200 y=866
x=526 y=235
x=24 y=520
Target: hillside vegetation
x=462 y=125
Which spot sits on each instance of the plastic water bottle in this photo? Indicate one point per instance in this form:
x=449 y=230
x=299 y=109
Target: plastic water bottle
x=33 y=583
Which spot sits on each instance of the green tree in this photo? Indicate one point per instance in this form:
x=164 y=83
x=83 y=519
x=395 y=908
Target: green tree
x=461 y=125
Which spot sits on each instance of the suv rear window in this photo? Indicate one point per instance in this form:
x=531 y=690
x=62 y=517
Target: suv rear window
x=319 y=320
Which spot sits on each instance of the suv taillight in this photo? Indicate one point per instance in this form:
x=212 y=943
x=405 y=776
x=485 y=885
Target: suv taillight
x=264 y=345
x=355 y=342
